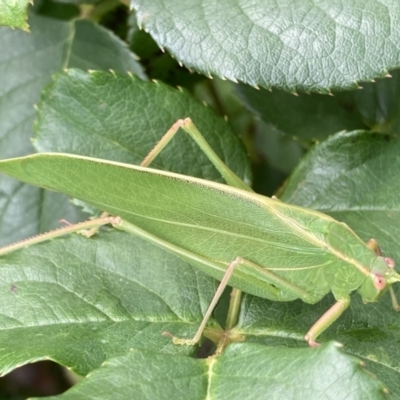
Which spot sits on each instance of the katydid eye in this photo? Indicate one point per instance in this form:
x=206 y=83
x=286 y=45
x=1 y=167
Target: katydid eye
x=379 y=282
x=390 y=262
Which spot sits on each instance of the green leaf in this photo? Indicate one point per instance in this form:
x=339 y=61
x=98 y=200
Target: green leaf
x=313 y=117
x=306 y=117
x=95 y=47
x=27 y=63
x=120 y=117
x=303 y=45
x=369 y=332
x=28 y=60
x=140 y=41
x=242 y=371
x=80 y=301
x=56 y=10
x=379 y=104
x=280 y=150
x=355 y=178
x=13 y=13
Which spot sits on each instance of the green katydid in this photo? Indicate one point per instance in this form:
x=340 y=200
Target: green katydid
x=260 y=245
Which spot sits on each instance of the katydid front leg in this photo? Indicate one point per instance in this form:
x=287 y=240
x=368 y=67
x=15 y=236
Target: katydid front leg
x=330 y=316
x=343 y=302
x=326 y=320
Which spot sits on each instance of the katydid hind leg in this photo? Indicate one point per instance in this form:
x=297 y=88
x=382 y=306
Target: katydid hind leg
x=222 y=285
x=189 y=127
x=327 y=319
x=275 y=285
x=80 y=227
x=158 y=148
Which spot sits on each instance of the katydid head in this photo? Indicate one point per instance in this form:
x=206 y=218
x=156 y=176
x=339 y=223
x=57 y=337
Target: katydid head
x=381 y=277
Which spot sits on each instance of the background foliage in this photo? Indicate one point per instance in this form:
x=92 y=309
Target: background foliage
x=320 y=133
